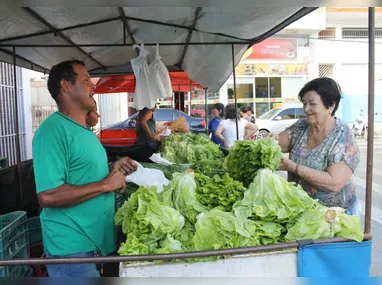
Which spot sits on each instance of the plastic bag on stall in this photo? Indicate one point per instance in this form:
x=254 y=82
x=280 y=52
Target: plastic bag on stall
x=157 y=158
x=160 y=82
x=143 y=95
x=148 y=177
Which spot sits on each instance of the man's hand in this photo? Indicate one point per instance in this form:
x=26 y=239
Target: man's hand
x=114 y=181
x=125 y=165
x=226 y=146
x=156 y=138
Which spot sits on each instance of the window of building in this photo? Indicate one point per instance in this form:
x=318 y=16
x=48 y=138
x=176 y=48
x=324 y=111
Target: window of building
x=328 y=33
x=359 y=33
x=325 y=70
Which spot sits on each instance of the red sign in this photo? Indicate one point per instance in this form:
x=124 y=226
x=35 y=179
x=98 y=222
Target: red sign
x=273 y=49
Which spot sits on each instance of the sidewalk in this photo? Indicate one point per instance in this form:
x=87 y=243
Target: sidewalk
x=378 y=129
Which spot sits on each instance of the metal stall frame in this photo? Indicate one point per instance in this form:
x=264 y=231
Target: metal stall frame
x=253 y=249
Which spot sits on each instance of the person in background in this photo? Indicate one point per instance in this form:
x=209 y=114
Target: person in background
x=218 y=116
x=251 y=115
x=92 y=117
x=243 y=113
x=75 y=184
x=146 y=126
x=323 y=152
x=226 y=131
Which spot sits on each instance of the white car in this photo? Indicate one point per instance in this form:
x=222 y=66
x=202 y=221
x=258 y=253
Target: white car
x=277 y=120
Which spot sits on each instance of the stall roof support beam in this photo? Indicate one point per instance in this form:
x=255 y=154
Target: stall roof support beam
x=197 y=13
x=127 y=26
x=56 y=32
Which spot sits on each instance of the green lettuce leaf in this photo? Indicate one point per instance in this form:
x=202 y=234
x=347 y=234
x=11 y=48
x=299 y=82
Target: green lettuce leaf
x=217 y=230
x=145 y=217
x=325 y=223
x=218 y=192
x=272 y=198
x=181 y=194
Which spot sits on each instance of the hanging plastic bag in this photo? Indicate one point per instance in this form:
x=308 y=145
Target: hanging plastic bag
x=143 y=95
x=148 y=177
x=160 y=82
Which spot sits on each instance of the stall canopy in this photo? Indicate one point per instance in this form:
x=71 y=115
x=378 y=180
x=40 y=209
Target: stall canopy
x=197 y=40
x=126 y=83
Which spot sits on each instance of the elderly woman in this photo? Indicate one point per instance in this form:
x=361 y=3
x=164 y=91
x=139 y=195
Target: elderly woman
x=226 y=131
x=323 y=150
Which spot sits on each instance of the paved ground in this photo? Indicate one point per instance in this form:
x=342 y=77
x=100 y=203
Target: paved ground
x=376 y=214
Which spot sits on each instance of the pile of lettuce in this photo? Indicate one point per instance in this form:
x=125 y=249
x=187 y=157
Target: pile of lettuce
x=189 y=148
x=245 y=158
x=198 y=212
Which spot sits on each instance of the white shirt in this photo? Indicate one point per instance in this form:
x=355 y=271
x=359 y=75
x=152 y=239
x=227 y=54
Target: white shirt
x=229 y=132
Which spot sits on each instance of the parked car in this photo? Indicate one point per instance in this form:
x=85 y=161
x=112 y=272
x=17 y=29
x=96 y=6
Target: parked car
x=124 y=133
x=277 y=120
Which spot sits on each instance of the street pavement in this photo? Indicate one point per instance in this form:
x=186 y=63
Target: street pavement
x=359 y=179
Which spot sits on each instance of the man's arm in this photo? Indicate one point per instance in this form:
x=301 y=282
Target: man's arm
x=67 y=195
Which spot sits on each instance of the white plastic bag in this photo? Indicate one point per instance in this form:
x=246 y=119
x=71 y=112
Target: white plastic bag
x=148 y=177
x=157 y=158
x=143 y=95
x=160 y=82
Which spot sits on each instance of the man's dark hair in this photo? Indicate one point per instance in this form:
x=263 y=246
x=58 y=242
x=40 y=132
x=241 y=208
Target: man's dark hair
x=328 y=89
x=231 y=112
x=62 y=71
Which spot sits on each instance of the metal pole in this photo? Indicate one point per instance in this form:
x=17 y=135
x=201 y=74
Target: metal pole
x=169 y=256
x=179 y=104
x=234 y=90
x=206 y=108
x=370 y=134
x=18 y=153
x=189 y=105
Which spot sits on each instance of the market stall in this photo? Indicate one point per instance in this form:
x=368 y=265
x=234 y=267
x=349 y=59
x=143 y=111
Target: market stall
x=202 y=39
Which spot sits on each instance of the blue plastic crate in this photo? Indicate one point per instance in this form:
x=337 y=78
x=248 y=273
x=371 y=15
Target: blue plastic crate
x=13 y=242
x=34 y=230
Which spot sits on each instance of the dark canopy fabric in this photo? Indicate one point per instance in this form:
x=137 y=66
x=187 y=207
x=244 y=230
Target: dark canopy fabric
x=195 y=40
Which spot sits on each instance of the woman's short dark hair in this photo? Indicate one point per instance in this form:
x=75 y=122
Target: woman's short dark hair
x=243 y=109
x=328 y=89
x=62 y=71
x=220 y=107
x=231 y=112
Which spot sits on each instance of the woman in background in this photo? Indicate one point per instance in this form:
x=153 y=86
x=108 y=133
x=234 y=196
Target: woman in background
x=218 y=116
x=226 y=131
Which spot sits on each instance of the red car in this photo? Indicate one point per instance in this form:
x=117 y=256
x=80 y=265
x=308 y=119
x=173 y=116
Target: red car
x=124 y=133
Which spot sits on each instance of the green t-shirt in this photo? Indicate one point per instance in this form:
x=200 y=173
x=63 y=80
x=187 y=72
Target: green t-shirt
x=66 y=152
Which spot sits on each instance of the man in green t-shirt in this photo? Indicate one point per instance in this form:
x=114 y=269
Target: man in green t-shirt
x=75 y=185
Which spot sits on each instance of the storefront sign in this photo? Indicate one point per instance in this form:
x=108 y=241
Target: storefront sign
x=284 y=49
x=270 y=69
x=263 y=100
